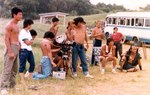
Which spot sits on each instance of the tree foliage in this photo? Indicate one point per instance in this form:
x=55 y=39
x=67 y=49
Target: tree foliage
x=31 y=8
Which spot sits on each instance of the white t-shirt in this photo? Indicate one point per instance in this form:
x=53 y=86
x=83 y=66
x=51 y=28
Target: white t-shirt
x=25 y=35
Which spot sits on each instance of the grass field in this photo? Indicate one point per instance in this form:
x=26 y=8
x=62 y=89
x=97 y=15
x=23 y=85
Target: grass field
x=107 y=84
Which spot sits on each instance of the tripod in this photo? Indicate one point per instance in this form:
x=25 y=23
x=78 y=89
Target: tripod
x=67 y=65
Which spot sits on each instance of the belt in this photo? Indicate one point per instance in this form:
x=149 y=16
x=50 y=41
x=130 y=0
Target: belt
x=45 y=57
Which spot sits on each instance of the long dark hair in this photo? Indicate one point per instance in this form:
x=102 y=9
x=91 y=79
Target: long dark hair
x=129 y=52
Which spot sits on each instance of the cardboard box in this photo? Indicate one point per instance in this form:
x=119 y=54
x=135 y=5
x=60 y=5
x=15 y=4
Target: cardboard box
x=59 y=75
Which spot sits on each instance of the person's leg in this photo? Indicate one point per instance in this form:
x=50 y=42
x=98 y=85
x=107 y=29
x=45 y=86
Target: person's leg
x=120 y=50
x=103 y=62
x=14 y=72
x=74 y=58
x=31 y=62
x=23 y=54
x=111 y=58
x=92 y=57
x=15 y=66
x=114 y=62
x=10 y=69
x=6 y=71
x=83 y=60
x=122 y=62
x=116 y=51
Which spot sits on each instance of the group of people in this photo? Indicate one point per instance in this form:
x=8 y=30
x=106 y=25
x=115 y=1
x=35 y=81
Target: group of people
x=109 y=51
x=18 y=46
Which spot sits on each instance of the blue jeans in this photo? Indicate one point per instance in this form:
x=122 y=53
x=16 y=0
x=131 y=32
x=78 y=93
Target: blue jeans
x=46 y=68
x=24 y=56
x=96 y=43
x=78 y=50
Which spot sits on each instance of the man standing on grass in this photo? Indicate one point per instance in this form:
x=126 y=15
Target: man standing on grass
x=54 y=28
x=98 y=35
x=79 y=36
x=26 y=53
x=12 y=51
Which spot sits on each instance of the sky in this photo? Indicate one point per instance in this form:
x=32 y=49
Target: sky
x=128 y=4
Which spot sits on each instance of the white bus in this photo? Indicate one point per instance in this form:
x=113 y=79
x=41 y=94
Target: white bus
x=134 y=25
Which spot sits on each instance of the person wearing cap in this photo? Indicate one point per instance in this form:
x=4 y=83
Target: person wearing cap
x=131 y=59
x=79 y=36
x=117 y=37
x=98 y=36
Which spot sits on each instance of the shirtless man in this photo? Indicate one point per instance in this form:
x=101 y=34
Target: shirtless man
x=12 y=51
x=69 y=31
x=108 y=54
x=47 y=59
x=79 y=36
x=98 y=35
x=54 y=28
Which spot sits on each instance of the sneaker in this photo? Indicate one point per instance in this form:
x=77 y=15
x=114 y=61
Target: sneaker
x=89 y=76
x=103 y=71
x=75 y=74
x=4 y=92
x=26 y=74
x=114 y=71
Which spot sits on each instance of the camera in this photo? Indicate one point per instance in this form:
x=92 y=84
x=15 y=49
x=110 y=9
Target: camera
x=65 y=49
x=66 y=46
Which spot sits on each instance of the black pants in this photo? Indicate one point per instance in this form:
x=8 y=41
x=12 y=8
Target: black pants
x=118 y=49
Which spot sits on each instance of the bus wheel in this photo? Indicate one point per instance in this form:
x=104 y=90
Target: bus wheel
x=135 y=39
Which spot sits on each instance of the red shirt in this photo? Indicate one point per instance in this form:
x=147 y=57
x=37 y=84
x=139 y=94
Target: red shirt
x=117 y=37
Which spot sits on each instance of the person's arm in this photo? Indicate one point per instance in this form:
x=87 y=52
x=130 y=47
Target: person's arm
x=24 y=37
x=140 y=66
x=103 y=51
x=124 y=38
x=55 y=50
x=7 y=42
x=86 y=40
x=96 y=35
x=27 y=42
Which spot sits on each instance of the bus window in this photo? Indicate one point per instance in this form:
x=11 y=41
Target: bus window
x=132 y=22
x=147 y=22
x=139 y=22
x=108 y=20
x=121 y=21
x=114 y=20
x=128 y=22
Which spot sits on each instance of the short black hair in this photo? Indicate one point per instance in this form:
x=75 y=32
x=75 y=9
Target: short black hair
x=48 y=34
x=15 y=11
x=109 y=40
x=33 y=32
x=79 y=19
x=27 y=22
x=55 y=19
x=115 y=28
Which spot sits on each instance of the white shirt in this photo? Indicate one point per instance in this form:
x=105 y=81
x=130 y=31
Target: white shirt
x=25 y=35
